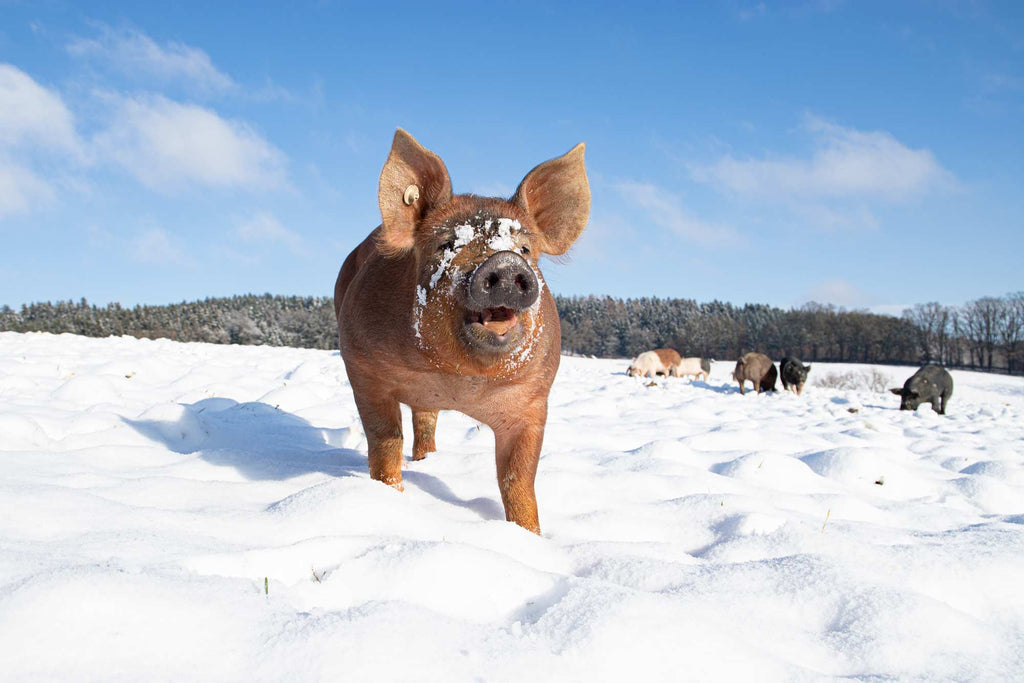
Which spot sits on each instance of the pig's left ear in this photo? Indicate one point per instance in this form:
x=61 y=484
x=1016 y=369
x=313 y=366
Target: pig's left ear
x=557 y=195
x=413 y=180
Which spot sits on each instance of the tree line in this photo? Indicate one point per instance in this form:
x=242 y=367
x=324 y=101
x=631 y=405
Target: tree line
x=987 y=333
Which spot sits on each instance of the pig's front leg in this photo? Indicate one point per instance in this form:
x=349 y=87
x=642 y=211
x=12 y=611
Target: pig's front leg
x=382 y=423
x=517 y=451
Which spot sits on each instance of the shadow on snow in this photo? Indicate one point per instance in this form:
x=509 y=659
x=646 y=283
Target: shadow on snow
x=266 y=443
x=260 y=441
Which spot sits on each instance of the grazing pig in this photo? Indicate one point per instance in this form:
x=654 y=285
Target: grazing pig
x=698 y=368
x=758 y=368
x=669 y=359
x=931 y=384
x=793 y=374
x=656 y=362
x=443 y=307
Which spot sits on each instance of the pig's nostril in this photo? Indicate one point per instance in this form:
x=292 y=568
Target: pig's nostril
x=503 y=280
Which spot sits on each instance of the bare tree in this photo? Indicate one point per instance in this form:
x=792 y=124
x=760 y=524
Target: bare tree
x=932 y=322
x=981 y=321
x=1012 y=330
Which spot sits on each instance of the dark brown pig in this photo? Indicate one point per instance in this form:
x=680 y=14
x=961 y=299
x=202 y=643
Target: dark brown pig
x=930 y=384
x=758 y=369
x=793 y=374
x=443 y=307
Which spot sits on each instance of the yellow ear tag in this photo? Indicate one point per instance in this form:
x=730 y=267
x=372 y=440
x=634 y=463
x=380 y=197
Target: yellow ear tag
x=412 y=193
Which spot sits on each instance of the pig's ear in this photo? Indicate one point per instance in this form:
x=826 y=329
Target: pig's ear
x=414 y=180
x=898 y=392
x=557 y=195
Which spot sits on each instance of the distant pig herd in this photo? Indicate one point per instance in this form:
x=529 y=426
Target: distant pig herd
x=931 y=384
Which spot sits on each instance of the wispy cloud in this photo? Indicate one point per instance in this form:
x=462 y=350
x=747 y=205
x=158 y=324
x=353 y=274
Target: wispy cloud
x=846 y=216
x=749 y=11
x=264 y=228
x=21 y=190
x=840 y=184
x=752 y=11
x=137 y=56
x=156 y=246
x=666 y=210
x=845 y=163
x=168 y=146
x=33 y=115
x=35 y=125
x=839 y=292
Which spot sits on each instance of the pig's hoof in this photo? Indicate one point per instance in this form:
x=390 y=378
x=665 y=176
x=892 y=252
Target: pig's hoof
x=395 y=483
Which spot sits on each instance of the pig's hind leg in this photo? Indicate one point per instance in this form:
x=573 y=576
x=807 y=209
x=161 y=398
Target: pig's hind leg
x=424 y=423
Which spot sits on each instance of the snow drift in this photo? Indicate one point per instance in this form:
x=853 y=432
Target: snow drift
x=188 y=511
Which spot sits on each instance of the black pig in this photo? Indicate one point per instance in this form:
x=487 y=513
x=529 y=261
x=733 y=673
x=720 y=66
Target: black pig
x=931 y=384
x=793 y=374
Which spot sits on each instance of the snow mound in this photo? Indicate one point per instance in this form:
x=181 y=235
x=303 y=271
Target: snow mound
x=168 y=509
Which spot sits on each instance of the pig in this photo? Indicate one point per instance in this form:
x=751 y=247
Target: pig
x=931 y=384
x=758 y=368
x=793 y=374
x=669 y=359
x=656 y=362
x=443 y=307
x=698 y=368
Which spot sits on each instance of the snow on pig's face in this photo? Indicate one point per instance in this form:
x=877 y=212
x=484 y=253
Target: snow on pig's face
x=479 y=293
x=479 y=284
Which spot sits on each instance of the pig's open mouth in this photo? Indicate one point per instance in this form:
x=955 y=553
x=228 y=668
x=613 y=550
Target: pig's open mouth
x=492 y=330
x=497 y=320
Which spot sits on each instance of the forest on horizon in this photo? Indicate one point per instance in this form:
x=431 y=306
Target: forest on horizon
x=987 y=333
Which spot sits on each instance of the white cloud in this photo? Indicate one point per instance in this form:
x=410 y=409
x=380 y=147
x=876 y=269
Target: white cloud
x=136 y=55
x=21 y=190
x=839 y=292
x=32 y=116
x=265 y=228
x=846 y=163
x=155 y=246
x=666 y=210
x=34 y=124
x=829 y=218
x=167 y=145
x=753 y=11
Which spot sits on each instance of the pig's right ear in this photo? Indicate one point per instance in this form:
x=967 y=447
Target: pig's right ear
x=557 y=195
x=898 y=392
x=413 y=180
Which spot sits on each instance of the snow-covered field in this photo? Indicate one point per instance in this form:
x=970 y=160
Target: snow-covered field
x=199 y=512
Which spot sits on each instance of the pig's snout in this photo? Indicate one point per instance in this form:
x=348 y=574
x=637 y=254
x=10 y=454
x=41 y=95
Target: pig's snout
x=504 y=280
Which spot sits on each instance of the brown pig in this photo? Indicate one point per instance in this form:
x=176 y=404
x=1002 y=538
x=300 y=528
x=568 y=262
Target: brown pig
x=758 y=368
x=443 y=307
x=656 y=362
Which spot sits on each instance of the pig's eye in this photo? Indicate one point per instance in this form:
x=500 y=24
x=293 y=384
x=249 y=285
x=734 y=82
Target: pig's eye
x=447 y=246
x=525 y=250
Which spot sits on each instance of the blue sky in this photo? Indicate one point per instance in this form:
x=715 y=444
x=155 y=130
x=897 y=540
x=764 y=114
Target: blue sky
x=867 y=154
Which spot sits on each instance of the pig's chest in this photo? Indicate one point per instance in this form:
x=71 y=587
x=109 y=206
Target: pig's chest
x=441 y=391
